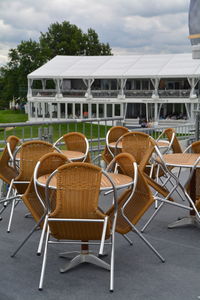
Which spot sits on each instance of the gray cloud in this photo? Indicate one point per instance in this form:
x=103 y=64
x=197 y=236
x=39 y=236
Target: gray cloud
x=130 y=26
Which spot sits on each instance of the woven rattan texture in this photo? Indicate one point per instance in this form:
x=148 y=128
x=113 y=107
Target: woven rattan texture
x=75 y=141
x=196 y=149
x=115 y=133
x=30 y=153
x=176 y=147
x=78 y=186
x=140 y=145
x=7 y=172
x=140 y=201
x=48 y=163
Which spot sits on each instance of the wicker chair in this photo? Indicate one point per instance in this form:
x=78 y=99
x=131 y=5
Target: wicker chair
x=75 y=142
x=34 y=196
x=171 y=135
x=112 y=136
x=76 y=215
x=134 y=202
x=142 y=147
x=195 y=148
x=7 y=170
x=30 y=152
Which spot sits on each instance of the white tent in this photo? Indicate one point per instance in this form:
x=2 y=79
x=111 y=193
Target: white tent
x=129 y=66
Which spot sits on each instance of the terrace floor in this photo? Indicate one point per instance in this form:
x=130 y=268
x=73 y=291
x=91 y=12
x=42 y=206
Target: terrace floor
x=139 y=274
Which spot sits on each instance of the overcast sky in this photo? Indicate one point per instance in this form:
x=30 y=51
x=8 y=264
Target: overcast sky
x=129 y=26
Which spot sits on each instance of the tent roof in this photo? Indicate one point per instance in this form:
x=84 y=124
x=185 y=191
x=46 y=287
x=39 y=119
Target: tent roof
x=118 y=66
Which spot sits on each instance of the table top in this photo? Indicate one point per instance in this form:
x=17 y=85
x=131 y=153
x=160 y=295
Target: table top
x=160 y=144
x=73 y=155
x=120 y=181
x=186 y=160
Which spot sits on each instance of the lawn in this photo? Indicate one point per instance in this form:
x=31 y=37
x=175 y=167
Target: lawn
x=12 y=116
x=9 y=116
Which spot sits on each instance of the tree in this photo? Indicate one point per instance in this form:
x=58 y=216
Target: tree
x=68 y=39
x=93 y=46
x=60 y=39
x=22 y=61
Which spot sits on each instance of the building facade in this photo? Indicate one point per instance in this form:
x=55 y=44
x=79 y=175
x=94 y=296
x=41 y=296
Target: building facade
x=153 y=87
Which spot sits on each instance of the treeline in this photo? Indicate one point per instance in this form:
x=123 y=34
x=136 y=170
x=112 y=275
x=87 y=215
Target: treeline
x=60 y=39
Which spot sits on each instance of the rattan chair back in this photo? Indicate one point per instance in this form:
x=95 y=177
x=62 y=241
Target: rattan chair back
x=132 y=204
x=78 y=186
x=140 y=145
x=195 y=147
x=7 y=171
x=107 y=157
x=176 y=147
x=34 y=197
x=76 y=141
x=124 y=163
x=30 y=153
x=115 y=133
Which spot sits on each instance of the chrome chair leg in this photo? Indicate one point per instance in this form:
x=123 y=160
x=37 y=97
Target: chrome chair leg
x=152 y=217
x=128 y=239
x=148 y=244
x=44 y=261
x=11 y=214
x=27 y=237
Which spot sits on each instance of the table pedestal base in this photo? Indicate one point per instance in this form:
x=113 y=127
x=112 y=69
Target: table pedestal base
x=83 y=257
x=191 y=220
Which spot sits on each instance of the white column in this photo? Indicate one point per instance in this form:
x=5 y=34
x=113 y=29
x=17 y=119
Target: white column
x=58 y=91
x=105 y=110
x=50 y=110
x=66 y=111
x=122 y=83
x=81 y=110
x=29 y=105
x=156 y=112
x=29 y=94
x=73 y=109
x=43 y=84
x=89 y=111
x=192 y=114
x=147 y=112
x=113 y=110
x=97 y=110
x=59 y=111
x=155 y=82
x=193 y=82
x=36 y=110
x=88 y=83
x=43 y=110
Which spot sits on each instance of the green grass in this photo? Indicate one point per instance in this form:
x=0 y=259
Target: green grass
x=11 y=116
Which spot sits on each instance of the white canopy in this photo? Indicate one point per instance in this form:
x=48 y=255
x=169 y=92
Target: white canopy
x=129 y=66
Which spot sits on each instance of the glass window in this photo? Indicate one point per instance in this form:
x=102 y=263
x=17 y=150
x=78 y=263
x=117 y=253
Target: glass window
x=94 y=110
x=77 y=110
x=101 y=110
x=117 y=109
x=85 y=111
x=109 y=110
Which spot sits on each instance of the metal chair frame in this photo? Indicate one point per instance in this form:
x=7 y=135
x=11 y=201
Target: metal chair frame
x=177 y=184
x=135 y=176
x=80 y=135
x=83 y=257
